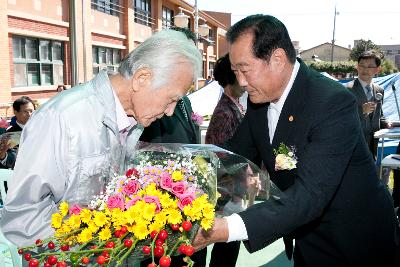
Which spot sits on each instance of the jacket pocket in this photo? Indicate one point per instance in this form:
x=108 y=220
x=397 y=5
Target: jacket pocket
x=94 y=172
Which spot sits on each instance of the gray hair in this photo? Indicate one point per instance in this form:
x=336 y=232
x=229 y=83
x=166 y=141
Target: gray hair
x=161 y=53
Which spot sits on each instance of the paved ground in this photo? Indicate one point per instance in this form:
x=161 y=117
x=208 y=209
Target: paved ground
x=271 y=256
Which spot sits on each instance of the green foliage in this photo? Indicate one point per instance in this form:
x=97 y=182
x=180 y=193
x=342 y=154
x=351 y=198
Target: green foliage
x=336 y=68
x=361 y=47
x=387 y=67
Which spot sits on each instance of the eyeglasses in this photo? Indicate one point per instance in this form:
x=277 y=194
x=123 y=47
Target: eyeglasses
x=367 y=67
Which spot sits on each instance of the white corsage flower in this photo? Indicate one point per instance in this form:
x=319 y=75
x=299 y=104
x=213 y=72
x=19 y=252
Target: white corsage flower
x=285 y=158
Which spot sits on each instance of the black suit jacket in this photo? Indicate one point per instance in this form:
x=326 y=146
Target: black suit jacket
x=173 y=129
x=333 y=203
x=369 y=123
x=12 y=152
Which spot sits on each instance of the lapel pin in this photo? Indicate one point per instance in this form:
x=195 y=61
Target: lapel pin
x=291 y=118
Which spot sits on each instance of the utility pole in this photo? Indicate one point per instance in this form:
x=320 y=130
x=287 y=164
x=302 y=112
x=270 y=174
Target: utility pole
x=333 y=38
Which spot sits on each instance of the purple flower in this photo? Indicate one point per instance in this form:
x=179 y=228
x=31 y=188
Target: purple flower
x=197 y=118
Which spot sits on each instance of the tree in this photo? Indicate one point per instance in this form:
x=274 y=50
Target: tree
x=363 y=46
x=387 y=67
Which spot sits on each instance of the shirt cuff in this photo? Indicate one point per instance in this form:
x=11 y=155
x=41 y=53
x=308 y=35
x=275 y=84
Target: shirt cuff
x=236 y=227
x=4 y=161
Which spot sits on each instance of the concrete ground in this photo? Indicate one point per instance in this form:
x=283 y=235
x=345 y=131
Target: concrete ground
x=272 y=256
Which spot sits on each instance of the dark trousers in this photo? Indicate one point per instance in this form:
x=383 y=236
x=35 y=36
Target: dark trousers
x=199 y=259
x=225 y=254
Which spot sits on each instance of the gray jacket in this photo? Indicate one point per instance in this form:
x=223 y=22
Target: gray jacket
x=69 y=148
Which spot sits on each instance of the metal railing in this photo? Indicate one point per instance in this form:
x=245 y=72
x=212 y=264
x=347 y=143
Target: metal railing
x=108 y=6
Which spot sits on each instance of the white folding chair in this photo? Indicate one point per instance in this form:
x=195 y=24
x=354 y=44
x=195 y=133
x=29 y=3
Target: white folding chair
x=6 y=245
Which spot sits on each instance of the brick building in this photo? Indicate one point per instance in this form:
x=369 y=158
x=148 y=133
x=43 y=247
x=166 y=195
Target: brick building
x=46 y=43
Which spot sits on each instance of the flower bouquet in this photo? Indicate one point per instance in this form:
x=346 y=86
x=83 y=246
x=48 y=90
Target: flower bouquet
x=153 y=210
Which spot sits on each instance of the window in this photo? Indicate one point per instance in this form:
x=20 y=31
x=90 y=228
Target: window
x=143 y=12
x=105 y=58
x=167 y=18
x=37 y=62
x=211 y=66
x=211 y=35
x=111 y=7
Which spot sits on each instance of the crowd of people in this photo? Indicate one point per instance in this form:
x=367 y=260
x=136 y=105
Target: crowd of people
x=332 y=210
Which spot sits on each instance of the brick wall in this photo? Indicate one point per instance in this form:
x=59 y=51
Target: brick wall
x=30 y=25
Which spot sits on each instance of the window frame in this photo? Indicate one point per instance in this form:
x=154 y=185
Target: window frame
x=37 y=77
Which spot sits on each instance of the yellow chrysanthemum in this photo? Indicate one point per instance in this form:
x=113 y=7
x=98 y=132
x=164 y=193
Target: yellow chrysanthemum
x=174 y=216
x=93 y=227
x=208 y=211
x=207 y=223
x=86 y=215
x=140 y=231
x=177 y=176
x=161 y=216
x=65 y=228
x=105 y=234
x=155 y=226
x=100 y=218
x=64 y=208
x=85 y=236
x=56 y=220
x=149 y=211
x=74 y=221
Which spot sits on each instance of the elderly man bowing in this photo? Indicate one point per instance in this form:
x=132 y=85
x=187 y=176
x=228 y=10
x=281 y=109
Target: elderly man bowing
x=82 y=136
x=332 y=203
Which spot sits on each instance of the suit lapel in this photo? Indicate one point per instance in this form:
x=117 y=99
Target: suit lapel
x=292 y=108
x=188 y=125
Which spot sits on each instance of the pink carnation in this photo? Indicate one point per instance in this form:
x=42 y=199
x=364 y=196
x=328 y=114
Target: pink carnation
x=185 y=200
x=166 y=181
x=75 y=210
x=178 y=188
x=116 y=201
x=131 y=188
x=153 y=199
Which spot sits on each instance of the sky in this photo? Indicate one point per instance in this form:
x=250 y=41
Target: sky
x=311 y=21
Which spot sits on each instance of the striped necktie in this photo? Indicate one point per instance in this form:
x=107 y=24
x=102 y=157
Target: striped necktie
x=369 y=92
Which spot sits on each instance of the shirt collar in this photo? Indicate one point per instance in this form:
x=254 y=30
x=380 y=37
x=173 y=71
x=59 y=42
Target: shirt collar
x=20 y=125
x=363 y=84
x=279 y=104
x=123 y=121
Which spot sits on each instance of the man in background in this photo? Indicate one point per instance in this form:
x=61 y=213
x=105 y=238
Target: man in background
x=369 y=97
x=23 y=108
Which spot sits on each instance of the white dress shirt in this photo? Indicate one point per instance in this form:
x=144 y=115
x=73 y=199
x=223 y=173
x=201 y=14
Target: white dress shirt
x=236 y=226
x=123 y=121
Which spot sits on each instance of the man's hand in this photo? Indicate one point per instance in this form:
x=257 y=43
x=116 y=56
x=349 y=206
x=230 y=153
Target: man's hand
x=218 y=233
x=368 y=107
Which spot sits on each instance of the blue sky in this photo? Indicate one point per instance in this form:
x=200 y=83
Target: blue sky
x=311 y=21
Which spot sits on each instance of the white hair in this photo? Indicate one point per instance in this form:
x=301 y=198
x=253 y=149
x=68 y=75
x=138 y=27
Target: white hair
x=162 y=53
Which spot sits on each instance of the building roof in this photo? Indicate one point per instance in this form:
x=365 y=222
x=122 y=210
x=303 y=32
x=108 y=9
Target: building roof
x=324 y=44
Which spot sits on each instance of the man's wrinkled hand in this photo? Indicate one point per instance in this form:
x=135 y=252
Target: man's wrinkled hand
x=218 y=233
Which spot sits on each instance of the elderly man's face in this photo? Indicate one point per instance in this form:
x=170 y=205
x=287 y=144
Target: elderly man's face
x=150 y=104
x=261 y=79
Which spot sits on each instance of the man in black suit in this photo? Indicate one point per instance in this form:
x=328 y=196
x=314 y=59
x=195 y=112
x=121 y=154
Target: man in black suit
x=23 y=108
x=332 y=202
x=178 y=128
x=369 y=96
